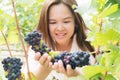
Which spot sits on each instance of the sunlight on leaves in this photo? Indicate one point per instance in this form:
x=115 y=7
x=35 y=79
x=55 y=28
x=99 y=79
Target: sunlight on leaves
x=90 y=71
x=108 y=11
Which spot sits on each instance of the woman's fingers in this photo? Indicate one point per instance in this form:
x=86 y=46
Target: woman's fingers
x=50 y=65
x=43 y=58
x=37 y=56
x=56 y=67
x=71 y=72
x=47 y=62
x=61 y=67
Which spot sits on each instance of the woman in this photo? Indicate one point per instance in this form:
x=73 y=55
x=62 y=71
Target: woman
x=62 y=30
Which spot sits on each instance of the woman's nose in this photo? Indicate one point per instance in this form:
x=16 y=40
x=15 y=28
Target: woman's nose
x=60 y=27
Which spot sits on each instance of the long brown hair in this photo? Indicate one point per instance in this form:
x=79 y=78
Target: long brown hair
x=43 y=25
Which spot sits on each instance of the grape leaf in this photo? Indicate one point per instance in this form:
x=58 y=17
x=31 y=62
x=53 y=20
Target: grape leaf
x=115 y=70
x=97 y=76
x=108 y=10
x=90 y=71
x=109 y=77
x=105 y=38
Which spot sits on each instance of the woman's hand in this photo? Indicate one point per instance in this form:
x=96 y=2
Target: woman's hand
x=58 y=66
x=44 y=60
x=45 y=67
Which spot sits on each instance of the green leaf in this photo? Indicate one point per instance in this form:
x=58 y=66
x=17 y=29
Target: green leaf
x=112 y=35
x=116 y=14
x=109 y=77
x=102 y=2
x=105 y=38
x=99 y=39
x=107 y=61
x=97 y=76
x=116 y=68
x=113 y=48
x=115 y=23
x=109 y=10
x=90 y=71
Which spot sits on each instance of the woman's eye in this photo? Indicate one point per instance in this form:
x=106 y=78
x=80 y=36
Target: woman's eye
x=66 y=21
x=52 y=22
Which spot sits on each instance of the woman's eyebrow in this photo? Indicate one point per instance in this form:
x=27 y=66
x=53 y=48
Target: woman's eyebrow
x=69 y=17
x=51 y=19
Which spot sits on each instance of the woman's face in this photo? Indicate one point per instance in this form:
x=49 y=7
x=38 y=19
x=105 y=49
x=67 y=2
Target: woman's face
x=61 y=23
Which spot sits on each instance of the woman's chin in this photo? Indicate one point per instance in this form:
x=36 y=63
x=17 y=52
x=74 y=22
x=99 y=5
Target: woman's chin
x=61 y=42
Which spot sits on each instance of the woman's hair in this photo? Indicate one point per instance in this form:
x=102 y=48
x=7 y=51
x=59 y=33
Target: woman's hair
x=80 y=27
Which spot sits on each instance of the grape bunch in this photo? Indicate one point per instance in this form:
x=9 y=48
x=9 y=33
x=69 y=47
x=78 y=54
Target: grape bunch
x=76 y=59
x=12 y=68
x=34 y=39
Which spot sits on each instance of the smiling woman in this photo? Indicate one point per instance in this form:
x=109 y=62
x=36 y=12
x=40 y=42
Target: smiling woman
x=63 y=29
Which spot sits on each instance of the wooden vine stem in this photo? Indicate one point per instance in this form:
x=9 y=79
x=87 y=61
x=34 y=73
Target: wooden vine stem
x=7 y=44
x=98 y=47
x=19 y=33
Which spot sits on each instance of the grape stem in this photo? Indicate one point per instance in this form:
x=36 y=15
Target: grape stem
x=98 y=47
x=19 y=33
x=7 y=44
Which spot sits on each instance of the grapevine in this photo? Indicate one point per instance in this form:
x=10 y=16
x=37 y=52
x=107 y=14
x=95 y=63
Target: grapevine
x=76 y=59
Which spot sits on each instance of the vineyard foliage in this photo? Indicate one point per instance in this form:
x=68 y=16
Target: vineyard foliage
x=102 y=17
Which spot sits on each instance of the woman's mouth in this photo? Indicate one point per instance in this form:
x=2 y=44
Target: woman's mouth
x=60 y=35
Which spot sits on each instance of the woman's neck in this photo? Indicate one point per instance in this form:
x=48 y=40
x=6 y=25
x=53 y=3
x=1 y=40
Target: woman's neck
x=64 y=47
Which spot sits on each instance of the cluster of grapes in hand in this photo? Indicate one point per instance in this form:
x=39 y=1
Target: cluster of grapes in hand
x=76 y=59
x=12 y=68
x=34 y=39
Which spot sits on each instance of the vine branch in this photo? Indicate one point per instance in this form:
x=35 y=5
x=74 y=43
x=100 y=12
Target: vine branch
x=19 y=33
x=98 y=47
x=7 y=44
